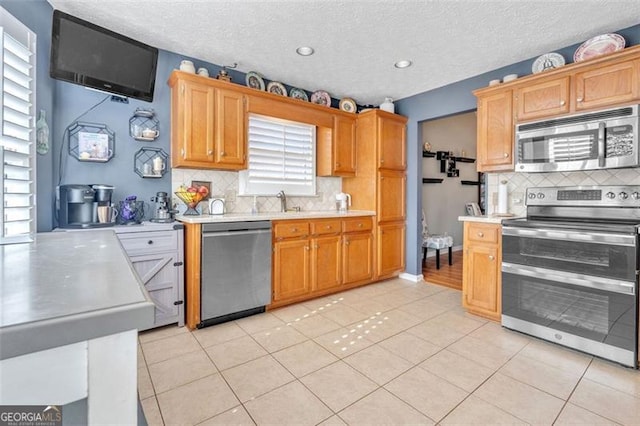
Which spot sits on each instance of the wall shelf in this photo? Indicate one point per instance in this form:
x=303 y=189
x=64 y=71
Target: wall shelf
x=428 y=154
x=470 y=182
x=464 y=159
x=432 y=180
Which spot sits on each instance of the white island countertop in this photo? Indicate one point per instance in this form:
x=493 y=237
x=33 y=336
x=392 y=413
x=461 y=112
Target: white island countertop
x=485 y=219
x=67 y=287
x=249 y=217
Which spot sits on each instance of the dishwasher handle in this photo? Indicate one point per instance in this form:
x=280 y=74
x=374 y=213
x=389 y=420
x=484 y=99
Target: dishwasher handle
x=229 y=233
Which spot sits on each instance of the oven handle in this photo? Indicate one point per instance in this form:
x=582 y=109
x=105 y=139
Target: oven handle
x=582 y=237
x=598 y=283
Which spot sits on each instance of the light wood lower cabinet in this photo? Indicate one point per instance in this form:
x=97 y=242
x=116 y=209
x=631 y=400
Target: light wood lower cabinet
x=481 y=269
x=391 y=256
x=317 y=257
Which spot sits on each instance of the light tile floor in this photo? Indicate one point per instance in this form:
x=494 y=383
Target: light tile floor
x=394 y=352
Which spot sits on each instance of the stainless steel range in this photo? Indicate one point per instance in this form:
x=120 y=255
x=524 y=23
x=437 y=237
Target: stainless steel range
x=570 y=269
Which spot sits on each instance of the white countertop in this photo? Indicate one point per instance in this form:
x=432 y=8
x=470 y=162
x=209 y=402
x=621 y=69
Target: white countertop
x=248 y=217
x=67 y=287
x=485 y=219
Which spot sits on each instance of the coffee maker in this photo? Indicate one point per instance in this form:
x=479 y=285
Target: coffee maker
x=163 y=212
x=78 y=205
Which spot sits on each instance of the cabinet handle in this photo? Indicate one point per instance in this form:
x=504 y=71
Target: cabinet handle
x=150 y=242
x=222 y=154
x=182 y=152
x=491 y=257
x=562 y=103
x=579 y=99
x=480 y=234
x=506 y=155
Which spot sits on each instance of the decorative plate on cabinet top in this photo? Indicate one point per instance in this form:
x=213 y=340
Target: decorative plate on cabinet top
x=296 y=93
x=348 y=105
x=599 y=45
x=277 y=88
x=546 y=62
x=321 y=97
x=255 y=80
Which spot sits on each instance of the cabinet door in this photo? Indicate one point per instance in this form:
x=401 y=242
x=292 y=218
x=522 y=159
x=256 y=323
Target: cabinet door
x=230 y=130
x=344 y=146
x=357 y=257
x=607 y=85
x=160 y=278
x=542 y=99
x=391 y=249
x=291 y=269
x=197 y=135
x=325 y=263
x=495 y=132
x=481 y=280
x=392 y=153
x=391 y=196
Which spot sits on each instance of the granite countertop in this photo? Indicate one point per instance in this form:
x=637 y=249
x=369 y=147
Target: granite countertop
x=67 y=287
x=247 y=217
x=485 y=219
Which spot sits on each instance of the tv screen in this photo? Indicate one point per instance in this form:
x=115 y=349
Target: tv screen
x=92 y=56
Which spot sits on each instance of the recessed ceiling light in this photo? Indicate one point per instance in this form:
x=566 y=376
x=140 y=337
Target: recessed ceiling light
x=305 y=51
x=403 y=63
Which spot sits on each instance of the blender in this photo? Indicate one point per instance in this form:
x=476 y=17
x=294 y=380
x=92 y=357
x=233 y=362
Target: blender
x=163 y=213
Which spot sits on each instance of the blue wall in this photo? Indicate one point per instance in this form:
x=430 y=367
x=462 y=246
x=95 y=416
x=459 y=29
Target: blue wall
x=441 y=102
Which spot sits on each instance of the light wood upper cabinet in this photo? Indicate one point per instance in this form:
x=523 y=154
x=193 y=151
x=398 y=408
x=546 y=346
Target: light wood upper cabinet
x=392 y=152
x=542 y=99
x=481 y=280
x=495 y=131
x=391 y=196
x=607 y=85
x=336 y=148
x=207 y=125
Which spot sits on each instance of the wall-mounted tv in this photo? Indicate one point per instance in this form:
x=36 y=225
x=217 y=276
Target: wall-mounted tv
x=86 y=54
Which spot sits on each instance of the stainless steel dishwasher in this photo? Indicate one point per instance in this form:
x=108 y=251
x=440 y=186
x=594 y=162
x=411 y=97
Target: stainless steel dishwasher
x=235 y=270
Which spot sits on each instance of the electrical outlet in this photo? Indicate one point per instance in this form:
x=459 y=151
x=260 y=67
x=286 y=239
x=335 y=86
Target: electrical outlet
x=119 y=99
x=517 y=198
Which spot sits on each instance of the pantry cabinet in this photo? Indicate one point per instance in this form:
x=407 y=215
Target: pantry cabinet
x=481 y=269
x=317 y=257
x=208 y=124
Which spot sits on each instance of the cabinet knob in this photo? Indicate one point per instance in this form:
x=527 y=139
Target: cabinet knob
x=150 y=242
x=337 y=164
x=222 y=154
x=360 y=225
x=210 y=152
x=506 y=155
x=562 y=103
x=579 y=99
x=306 y=248
x=480 y=234
x=316 y=246
x=294 y=229
x=382 y=160
x=328 y=227
x=346 y=242
x=491 y=257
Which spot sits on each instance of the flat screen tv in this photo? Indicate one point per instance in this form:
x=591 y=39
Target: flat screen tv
x=86 y=54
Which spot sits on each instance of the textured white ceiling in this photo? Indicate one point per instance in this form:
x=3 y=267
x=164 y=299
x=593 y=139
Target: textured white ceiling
x=358 y=41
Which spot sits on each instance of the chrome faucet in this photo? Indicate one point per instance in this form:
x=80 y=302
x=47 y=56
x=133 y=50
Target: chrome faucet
x=283 y=201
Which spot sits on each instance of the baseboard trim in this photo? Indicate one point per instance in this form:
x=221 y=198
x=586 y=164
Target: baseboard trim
x=410 y=277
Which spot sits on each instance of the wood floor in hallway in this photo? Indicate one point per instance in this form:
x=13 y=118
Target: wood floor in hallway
x=450 y=276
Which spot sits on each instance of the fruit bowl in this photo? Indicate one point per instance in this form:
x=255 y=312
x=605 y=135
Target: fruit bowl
x=191 y=199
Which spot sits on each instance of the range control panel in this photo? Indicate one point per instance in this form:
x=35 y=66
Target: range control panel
x=605 y=196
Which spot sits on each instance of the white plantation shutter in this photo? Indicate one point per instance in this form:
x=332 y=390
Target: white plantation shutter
x=17 y=147
x=281 y=156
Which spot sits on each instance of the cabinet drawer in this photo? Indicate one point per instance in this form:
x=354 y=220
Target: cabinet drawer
x=290 y=230
x=356 y=224
x=323 y=227
x=149 y=242
x=483 y=233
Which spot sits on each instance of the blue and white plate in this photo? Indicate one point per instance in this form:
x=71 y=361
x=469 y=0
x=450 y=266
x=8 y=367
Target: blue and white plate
x=296 y=93
x=255 y=80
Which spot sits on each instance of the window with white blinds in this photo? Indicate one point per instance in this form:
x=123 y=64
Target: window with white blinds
x=281 y=157
x=17 y=147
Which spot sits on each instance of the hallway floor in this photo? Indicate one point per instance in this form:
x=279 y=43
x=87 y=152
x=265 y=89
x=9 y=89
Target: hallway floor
x=394 y=352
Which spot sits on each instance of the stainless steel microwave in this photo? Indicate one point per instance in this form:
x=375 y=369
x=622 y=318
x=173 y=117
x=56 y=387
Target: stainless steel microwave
x=604 y=139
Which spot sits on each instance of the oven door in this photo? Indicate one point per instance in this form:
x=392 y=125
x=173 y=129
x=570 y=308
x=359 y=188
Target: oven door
x=591 y=314
x=608 y=255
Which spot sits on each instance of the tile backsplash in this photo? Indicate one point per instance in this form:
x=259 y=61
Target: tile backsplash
x=519 y=182
x=225 y=184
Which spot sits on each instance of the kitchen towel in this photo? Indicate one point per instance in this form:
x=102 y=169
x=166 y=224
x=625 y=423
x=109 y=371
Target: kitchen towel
x=503 y=197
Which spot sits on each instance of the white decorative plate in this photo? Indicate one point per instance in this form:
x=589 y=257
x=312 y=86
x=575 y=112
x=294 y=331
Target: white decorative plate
x=296 y=93
x=277 y=88
x=546 y=62
x=321 y=97
x=255 y=80
x=599 y=45
x=348 y=105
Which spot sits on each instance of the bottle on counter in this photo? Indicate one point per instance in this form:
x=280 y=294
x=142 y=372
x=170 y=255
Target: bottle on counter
x=254 y=205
